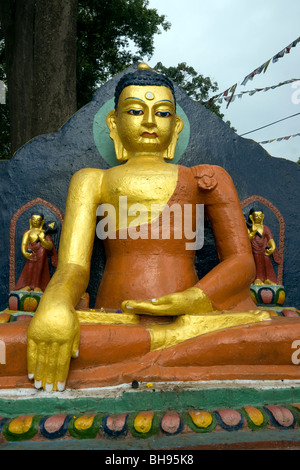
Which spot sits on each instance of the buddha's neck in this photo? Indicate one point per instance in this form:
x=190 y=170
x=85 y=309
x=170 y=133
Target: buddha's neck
x=146 y=159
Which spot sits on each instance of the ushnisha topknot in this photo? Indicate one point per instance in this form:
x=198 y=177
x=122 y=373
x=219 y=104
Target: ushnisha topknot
x=142 y=77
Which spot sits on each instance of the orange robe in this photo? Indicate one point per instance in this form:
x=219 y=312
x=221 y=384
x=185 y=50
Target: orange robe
x=263 y=263
x=36 y=270
x=143 y=269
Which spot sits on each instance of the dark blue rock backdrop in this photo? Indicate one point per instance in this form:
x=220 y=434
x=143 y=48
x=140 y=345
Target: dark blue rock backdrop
x=44 y=166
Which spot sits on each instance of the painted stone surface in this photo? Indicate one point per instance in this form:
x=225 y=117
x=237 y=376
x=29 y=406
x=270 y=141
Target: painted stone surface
x=156 y=430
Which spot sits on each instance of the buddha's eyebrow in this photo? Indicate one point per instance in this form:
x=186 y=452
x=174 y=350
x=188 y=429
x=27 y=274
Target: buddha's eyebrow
x=169 y=101
x=134 y=98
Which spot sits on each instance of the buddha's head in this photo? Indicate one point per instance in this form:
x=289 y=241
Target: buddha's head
x=256 y=216
x=144 y=121
x=36 y=220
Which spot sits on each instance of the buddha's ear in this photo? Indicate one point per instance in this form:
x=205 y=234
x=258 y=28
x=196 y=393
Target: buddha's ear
x=170 y=153
x=30 y=224
x=251 y=218
x=179 y=124
x=111 y=122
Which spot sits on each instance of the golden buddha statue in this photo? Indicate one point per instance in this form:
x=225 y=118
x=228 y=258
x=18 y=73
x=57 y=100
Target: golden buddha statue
x=144 y=276
x=263 y=247
x=35 y=247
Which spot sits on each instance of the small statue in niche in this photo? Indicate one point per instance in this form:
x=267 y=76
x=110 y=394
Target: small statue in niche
x=263 y=247
x=36 y=246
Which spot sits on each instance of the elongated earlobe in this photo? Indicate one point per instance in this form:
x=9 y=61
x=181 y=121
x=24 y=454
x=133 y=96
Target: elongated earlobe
x=111 y=120
x=170 y=152
x=121 y=153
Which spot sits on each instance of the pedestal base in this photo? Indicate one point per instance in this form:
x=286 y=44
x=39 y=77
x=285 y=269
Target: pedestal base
x=267 y=294
x=158 y=416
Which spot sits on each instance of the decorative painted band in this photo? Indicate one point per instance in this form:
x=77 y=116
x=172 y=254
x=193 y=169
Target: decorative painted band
x=146 y=424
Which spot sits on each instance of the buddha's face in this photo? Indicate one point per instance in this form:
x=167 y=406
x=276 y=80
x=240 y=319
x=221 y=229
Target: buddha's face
x=36 y=221
x=257 y=217
x=145 y=121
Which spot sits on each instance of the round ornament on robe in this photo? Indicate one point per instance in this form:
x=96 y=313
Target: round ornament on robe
x=105 y=144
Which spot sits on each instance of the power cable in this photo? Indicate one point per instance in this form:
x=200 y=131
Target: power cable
x=275 y=122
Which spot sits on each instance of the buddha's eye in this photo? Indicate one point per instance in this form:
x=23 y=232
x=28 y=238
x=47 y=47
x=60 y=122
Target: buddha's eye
x=163 y=114
x=135 y=112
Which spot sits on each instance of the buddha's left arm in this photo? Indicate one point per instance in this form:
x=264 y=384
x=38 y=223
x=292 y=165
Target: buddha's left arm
x=229 y=282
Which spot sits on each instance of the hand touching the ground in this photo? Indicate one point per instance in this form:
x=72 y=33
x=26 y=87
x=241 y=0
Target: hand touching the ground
x=53 y=338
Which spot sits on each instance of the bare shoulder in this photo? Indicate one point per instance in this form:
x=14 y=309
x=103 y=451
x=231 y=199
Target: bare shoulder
x=86 y=182
x=87 y=175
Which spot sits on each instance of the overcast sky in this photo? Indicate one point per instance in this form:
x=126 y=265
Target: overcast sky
x=226 y=40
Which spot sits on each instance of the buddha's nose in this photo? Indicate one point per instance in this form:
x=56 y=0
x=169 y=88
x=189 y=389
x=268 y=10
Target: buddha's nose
x=149 y=119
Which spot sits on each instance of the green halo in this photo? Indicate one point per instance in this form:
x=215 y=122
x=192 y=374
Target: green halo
x=105 y=145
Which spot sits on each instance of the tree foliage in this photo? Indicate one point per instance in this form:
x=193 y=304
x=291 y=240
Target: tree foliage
x=110 y=36
x=198 y=87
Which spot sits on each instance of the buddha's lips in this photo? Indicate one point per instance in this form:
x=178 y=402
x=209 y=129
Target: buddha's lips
x=148 y=134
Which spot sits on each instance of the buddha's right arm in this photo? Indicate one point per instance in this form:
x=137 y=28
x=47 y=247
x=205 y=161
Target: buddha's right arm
x=76 y=244
x=54 y=333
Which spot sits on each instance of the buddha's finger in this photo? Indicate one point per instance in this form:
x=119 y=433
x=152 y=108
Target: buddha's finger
x=41 y=363
x=31 y=358
x=75 y=346
x=49 y=376
x=62 y=367
x=147 y=308
x=134 y=306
